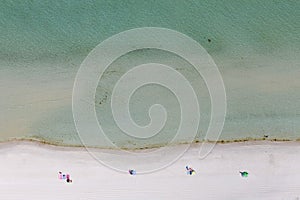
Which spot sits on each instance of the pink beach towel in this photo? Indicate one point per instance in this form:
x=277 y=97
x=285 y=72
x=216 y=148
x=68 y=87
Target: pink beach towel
x=59 y=175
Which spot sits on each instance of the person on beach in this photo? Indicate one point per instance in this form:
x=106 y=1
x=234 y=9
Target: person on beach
x=68 y=178
x=132 y=172
x=189 y=170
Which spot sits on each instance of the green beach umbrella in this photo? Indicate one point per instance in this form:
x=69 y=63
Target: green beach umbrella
x=244 y=174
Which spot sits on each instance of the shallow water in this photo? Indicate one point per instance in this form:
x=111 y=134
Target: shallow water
x=255 y=44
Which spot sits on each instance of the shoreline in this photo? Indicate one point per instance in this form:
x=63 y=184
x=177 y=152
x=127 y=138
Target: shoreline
x=53 y=145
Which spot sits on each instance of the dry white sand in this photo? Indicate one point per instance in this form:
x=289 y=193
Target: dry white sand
x=30 y=171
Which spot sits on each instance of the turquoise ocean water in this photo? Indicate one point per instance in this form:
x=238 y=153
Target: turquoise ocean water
x=255 y=44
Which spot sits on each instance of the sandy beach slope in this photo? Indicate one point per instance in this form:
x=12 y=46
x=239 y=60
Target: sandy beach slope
x=30 y=171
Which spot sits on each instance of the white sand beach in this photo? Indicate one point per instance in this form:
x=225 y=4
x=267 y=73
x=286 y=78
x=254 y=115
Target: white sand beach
x=30 y=171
